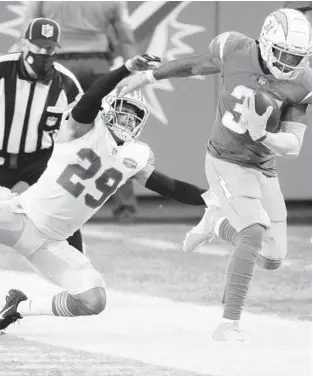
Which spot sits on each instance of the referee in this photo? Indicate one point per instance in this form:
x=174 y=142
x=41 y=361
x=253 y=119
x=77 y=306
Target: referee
x=30 y=82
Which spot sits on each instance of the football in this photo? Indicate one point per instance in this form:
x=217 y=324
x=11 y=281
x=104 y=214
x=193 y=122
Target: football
x=262 y=101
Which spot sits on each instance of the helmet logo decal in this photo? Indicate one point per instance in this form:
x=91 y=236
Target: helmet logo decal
x=282 y=21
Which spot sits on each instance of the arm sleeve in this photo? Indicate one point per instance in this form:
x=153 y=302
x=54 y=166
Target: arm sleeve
x=89 y=105
x=123 y=31
x=178 y=190
x=307 y=85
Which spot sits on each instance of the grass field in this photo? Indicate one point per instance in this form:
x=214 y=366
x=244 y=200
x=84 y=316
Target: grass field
x=162 y=308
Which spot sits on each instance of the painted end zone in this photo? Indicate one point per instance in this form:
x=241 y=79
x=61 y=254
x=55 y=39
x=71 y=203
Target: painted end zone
x=162 y=332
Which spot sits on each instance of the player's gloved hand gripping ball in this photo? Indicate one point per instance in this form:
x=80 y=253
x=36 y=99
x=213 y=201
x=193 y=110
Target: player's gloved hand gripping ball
x=262 y=115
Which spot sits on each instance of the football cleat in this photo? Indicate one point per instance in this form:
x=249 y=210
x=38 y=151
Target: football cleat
x=230 y=332
x=204 y=231
x=9 y=314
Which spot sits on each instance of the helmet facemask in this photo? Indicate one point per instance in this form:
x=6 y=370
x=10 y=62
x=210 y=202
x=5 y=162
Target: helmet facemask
x=281 y=62
x=124 y=116
x=286 y=52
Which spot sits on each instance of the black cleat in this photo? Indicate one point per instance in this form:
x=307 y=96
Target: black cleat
x=9 y=314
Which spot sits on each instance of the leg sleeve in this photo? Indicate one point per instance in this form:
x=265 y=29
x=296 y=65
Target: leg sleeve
x=274 y=248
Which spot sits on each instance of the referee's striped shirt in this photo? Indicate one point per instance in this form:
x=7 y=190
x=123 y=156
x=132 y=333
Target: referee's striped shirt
x=24 y=126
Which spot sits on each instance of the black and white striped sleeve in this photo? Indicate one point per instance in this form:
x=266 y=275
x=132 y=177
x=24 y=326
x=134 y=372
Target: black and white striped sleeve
x=71 y=85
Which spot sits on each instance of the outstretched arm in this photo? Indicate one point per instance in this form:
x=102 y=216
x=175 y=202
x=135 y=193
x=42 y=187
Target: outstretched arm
x=89 y=105
x=201 y=65
x=178 y=190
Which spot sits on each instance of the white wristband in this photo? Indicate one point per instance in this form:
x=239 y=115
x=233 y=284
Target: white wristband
x=150 y=76
x=128 y=65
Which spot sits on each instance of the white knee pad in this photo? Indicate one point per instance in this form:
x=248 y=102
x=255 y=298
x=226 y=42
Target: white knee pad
x=64 y=266
x=89 y=279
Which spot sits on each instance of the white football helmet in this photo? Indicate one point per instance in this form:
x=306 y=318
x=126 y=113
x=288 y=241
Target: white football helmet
x=125 y=116
x=285 y=42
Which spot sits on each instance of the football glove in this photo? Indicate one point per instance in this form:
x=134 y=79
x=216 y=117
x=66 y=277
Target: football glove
x=142 y=62
x=255 y=124
x=135 y=82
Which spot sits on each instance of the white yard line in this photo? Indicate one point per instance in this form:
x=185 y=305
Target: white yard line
x=158 y=244
x=98 y=232
x=166 y=333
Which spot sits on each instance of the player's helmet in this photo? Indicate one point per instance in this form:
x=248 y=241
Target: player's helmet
x=131 y=108
x=285 y=42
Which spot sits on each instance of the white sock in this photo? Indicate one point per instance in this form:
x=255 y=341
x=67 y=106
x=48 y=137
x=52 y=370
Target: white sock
x=35 y=307
x=228 y=320
x=217 y=225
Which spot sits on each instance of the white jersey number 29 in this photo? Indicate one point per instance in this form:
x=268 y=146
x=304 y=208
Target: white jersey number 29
x=106 y=183
x=240 y=92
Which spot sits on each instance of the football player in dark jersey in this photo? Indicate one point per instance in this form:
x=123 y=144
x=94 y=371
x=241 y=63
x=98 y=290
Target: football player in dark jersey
x=245 y=203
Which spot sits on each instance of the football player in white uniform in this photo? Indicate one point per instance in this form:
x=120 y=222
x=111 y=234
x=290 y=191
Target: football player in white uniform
x=96 y=151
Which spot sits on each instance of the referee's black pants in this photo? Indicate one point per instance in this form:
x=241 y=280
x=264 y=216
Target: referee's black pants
x=17 y=170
